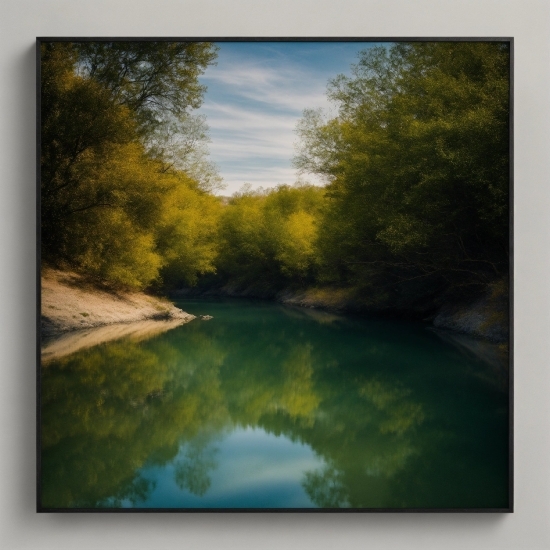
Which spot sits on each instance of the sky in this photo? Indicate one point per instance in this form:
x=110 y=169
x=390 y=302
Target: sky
x=255 y=96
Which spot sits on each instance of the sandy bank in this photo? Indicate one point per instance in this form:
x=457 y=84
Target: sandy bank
x=69 y=304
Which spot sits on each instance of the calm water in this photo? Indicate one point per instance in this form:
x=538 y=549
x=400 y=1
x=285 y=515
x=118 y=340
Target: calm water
x=271 y=406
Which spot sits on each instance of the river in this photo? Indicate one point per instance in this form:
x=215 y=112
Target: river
x=268 y=406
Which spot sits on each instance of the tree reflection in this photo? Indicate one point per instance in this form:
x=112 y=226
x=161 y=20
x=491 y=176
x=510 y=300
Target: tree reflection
x=326 y=488
x=133 y=494
x=192 y=471
x=109 y=411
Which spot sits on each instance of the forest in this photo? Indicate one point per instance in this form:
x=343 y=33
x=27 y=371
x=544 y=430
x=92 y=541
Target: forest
x=414 y=212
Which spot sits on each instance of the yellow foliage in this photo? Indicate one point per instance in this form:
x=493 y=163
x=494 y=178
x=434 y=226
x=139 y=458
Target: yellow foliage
x=186 y=234
x=109 y=206
x=115 y=250
x=270 y=233
x=299 y=397
x=297 y=243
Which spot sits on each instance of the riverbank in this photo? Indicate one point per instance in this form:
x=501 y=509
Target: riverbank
x=485 y=317
x=71 y=303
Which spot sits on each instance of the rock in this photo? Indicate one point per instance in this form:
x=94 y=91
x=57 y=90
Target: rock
x=486 y=318
x=206 y=317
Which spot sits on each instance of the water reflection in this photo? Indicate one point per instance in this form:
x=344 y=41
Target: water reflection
x=72 y=342
x=259 y=408
x=192 y=471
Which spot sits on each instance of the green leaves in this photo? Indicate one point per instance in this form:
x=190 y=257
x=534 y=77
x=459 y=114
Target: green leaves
x=153 y=79
x=417 y=160
x=270 y=236
x=120 y=199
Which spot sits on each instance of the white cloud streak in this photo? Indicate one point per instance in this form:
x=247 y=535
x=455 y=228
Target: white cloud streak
x=252 y=111
x=285 y=88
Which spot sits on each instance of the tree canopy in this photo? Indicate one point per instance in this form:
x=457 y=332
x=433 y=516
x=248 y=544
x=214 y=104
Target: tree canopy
x=153 y=79
x=268 y=238
x=417 y=167
x=112 y=182
x=416 y=164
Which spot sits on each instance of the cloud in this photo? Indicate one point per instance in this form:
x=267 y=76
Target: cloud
x=254 y=100
x=222 y=116
x=246 y=139
x=284 y=88
x=241 y=133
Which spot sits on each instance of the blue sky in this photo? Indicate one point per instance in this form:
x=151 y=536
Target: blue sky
x=256 y=95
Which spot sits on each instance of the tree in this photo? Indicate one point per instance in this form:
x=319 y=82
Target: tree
x=158 y=82
x=155 y=80
x=417 y=164
x=186 y=232
x=181 y=145
x=81 y=127
x=269 y=237
x=107 y=193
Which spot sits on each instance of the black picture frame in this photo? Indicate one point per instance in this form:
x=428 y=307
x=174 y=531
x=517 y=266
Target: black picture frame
x=510 y=509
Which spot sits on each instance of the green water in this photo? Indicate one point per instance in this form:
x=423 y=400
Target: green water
x=277 y=407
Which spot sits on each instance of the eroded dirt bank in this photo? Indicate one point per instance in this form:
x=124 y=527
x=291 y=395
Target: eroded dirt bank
x=69 y=304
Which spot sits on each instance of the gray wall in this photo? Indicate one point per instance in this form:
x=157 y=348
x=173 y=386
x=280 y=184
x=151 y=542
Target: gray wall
x=22 y=20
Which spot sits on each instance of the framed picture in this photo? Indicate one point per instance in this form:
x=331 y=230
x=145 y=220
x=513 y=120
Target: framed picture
x=275 y=274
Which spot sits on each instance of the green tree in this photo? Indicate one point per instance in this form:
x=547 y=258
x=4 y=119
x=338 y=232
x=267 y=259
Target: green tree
x=186 y=231
x=269 y=237
x=81 y=128
x=155 y=80
x=417 y=165
x=108 y=195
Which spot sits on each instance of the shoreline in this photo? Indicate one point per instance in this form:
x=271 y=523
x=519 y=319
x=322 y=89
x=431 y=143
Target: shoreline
x=69 y=304
x=485 y=318
x=73 y=306
x=77 y=315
